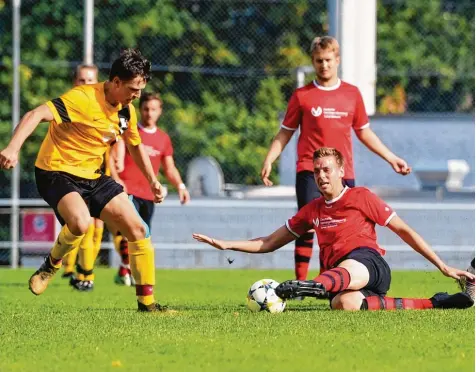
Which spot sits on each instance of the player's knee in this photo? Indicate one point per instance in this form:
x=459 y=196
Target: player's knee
x=346 y=301
x=79 y=224
x=137 y=231
x=351 y=304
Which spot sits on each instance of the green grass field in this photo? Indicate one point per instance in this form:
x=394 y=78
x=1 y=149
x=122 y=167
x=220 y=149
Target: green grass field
x=213 y=330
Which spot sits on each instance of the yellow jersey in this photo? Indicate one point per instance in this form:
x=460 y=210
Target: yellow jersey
x=84 y=127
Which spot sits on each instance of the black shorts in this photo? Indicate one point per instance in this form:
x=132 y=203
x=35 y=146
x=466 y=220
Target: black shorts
x=53 y=185
x=144 y=207
x=380 y=275
x=306 y=188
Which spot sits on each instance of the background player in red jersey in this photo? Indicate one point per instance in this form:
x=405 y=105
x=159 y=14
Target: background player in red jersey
x=354 y=273
x=159 y=147
x=326 y=110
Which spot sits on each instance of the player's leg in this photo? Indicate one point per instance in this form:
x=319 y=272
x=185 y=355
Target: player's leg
x=121 y=245
x=111 y=204
x=73 y=213
x=124 y=274
x=97 y=237
x=350 y=274
x=146 y=212
x=120 y=212
x=84 y=280
x=348 y=300
x=69 y=261
x=306 y=190
x=372 y=295
x=88 y=252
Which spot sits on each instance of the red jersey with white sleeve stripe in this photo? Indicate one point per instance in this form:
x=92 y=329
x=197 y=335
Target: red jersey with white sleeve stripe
x=158 y=145
x=343 y=224
x=325 y=116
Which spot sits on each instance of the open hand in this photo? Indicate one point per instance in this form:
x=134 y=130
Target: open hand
x=218 y=244
x=457 y=274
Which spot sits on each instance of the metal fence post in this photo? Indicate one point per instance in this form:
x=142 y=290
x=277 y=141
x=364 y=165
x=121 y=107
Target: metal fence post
x=15 y=182
x=88 y=57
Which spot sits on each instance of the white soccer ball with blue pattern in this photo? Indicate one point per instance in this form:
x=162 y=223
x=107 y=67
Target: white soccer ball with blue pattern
x=262 y=297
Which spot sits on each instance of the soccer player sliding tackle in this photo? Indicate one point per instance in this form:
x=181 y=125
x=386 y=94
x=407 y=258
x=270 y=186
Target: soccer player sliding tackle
x=353 y=273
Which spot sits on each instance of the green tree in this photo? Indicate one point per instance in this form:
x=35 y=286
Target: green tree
x=225 y=68
x=427 y=47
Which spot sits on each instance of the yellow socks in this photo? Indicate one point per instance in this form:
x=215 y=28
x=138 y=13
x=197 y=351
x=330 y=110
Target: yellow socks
x=97 y=240
x=65 y=243
x=69 y=260
x=86 y=256
x=141 y=256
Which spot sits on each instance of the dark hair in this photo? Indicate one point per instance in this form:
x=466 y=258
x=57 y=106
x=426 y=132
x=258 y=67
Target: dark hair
x=146 y=97
x=130 y=64
x=78 y=69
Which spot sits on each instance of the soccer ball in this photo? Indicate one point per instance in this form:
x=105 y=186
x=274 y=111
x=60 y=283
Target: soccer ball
x=261 y=297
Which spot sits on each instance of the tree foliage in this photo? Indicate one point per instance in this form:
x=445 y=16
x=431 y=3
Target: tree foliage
x=225 y=68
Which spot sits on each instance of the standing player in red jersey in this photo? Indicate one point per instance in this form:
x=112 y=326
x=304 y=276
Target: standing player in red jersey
x=326 y=111
x=159 y=147
x=353 y=273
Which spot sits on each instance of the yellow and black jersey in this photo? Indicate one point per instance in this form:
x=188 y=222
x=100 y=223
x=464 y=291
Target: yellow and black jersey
x=84 y=127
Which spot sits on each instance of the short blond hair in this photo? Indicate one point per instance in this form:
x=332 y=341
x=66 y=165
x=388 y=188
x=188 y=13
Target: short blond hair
x=81 y=67
x=329 y=151
x=325 y=43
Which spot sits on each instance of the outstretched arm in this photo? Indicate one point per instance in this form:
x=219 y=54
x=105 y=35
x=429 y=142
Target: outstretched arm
x=28 y=123
x=267 y=244
x=279 y=143
x=414 y=240
x=368 y=137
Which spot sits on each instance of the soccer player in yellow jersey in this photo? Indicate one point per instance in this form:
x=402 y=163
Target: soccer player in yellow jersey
x=83 y=124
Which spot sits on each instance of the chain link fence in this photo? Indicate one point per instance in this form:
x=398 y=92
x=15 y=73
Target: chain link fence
x=225 y=69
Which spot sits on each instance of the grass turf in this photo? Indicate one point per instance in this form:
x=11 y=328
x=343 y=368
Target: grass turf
x=212 y=329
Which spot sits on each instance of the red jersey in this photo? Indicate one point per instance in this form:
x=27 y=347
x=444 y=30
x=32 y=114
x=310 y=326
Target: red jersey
x=342 y=224
x=325 y=116
x=157 y=144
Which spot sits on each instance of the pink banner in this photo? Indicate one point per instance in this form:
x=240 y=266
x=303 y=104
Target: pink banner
x=38 y=227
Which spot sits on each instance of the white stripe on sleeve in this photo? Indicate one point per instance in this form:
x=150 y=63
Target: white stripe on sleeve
x=389 y=218
x=363 y=126
x=285 y=127
x=291 y=231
